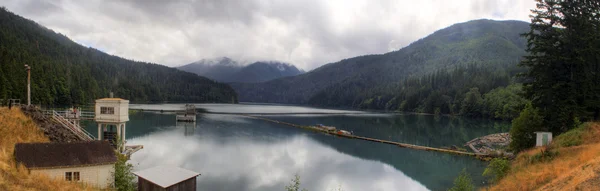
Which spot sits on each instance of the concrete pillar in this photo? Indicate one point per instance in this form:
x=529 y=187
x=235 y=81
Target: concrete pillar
x=99 y=131
x=124 y=130
x=119 y=131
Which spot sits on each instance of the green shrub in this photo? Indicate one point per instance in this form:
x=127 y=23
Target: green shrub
x=498 y=168
x=544 y=156
x=523 y=128
x=570 y=138
x=124 y=178
x=463 y=182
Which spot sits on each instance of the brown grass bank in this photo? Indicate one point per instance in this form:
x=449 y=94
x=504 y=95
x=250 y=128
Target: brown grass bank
x=571 y=162
x=15 y=127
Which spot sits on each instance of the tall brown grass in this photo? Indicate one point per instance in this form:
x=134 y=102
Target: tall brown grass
x=15 y=127
x=565 y=172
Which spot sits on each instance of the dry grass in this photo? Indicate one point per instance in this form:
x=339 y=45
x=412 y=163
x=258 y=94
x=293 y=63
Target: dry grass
x=574 y=168
x=15 y=127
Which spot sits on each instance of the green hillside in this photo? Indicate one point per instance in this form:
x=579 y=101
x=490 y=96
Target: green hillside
x=479 y=54
x=66 y=73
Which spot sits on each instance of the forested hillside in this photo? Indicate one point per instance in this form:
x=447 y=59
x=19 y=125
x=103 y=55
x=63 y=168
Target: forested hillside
x=66 y=73
x=433 y=74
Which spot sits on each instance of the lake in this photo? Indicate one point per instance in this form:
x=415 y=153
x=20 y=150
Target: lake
x=237 y=153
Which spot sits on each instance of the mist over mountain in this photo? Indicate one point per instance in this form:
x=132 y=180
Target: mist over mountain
x=227 y=70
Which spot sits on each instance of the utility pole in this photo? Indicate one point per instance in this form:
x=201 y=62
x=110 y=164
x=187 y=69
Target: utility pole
x=28 y=68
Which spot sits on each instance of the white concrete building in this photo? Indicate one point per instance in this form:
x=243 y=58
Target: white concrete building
x=111 y=115
x=112 y=110
x=91 y=162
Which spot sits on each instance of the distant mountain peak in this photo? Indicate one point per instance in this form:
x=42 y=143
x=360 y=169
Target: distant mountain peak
x=227 y=70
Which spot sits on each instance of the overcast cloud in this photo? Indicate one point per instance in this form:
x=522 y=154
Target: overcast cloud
x=306 y=33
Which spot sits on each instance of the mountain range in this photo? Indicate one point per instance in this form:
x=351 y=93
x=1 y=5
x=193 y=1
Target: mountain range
x=446 y=72
x=379 y=80
x=227 y=70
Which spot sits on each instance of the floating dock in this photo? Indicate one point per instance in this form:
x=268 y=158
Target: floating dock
x=188 y=115
x=405 y=145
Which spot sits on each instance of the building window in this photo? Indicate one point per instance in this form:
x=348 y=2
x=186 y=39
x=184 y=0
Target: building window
x=107 y=110
x=75 y=176
x=68 y=176
x=72 y=176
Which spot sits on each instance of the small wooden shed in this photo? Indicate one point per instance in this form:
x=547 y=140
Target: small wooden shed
x=166 y=178
x=543 y=138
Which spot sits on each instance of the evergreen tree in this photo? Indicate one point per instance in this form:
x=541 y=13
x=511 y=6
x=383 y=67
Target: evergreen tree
x=472 y=102
x=563 y=62
x=524 y=127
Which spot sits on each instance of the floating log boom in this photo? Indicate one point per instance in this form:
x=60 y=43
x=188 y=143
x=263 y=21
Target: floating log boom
x=405 y=145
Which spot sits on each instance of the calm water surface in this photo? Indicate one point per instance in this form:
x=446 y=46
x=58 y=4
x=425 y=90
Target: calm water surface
x=234 y=153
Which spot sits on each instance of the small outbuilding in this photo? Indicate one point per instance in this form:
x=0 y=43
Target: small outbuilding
x=91 y=162
x=543 y=138
x=166 y=178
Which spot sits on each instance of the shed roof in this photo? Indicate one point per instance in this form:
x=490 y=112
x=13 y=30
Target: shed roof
x=166 y=176
x=53 y=155
x=112 y=99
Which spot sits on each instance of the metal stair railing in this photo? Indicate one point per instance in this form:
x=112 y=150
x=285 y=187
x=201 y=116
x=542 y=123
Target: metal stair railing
x=76 y=129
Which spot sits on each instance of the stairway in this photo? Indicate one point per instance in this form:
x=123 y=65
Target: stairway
x=75 y=128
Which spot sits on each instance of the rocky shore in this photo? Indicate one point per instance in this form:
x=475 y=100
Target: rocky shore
x=53 y=130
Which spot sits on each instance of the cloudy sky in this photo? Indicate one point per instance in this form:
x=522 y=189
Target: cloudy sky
x=306 y=33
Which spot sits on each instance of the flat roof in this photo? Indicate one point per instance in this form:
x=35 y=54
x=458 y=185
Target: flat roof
x=164 y=176
x=112 y=99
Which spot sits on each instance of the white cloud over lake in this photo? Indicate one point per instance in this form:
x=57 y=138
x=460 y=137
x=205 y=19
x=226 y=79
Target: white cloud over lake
x=249 y=165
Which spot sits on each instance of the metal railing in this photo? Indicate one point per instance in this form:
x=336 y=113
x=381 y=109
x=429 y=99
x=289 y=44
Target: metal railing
x=81 y=115
x=6 y=102
x=87 y=115
x=73 y=127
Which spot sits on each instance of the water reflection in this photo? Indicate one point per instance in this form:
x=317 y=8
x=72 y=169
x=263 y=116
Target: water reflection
x=238 y=153
x=189 y=127
x=245 y=164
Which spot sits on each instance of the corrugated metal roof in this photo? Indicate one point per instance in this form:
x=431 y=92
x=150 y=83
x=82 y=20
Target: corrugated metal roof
x=164 y=176
x=49 y=155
